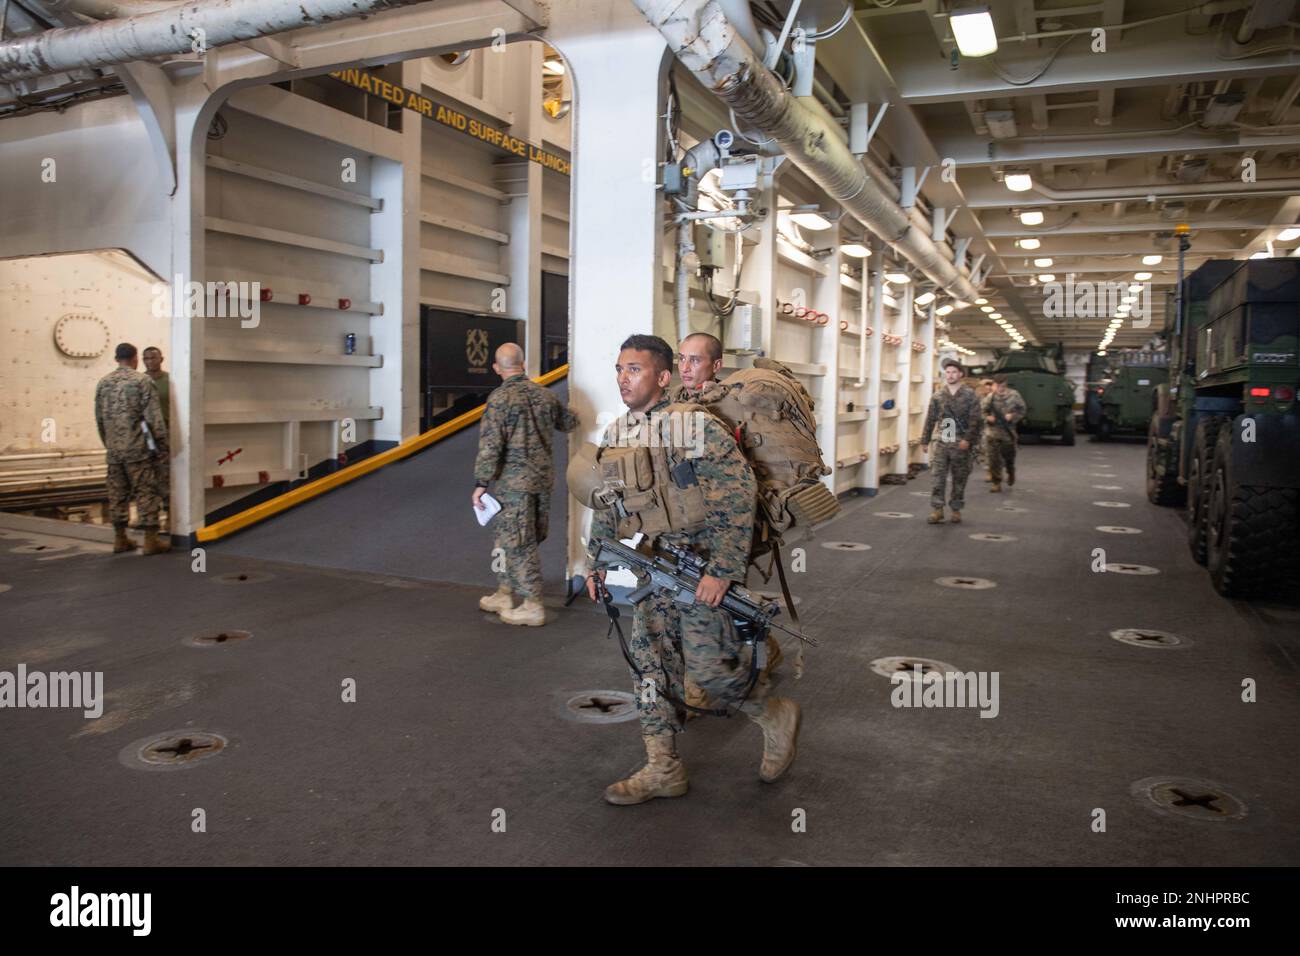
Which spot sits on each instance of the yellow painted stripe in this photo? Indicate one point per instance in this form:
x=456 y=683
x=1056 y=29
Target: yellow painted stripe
x=312 y=489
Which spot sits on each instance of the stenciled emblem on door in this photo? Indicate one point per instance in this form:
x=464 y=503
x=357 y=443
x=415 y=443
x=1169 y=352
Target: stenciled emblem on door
x=476 y=348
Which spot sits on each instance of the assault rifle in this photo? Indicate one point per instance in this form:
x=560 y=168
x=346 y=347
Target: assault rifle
x=681 y=576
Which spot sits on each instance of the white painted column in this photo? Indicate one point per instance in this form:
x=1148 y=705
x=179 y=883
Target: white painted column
x=395 y=281
x=873 y=314
x=827 y=297
x=906 y=327
x=522 y=258
x=618 y=62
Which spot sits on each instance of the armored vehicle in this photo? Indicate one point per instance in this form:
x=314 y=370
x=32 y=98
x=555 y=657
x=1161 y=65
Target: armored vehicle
x=1035 y=373
x=1121 y=402
x=1225 y=437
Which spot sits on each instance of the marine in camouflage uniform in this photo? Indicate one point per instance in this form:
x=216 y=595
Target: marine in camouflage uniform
x=955 y=411
x=124 y=399
x=515 y=449
x=153 y=359
x=671 y=640
x=1002 y=409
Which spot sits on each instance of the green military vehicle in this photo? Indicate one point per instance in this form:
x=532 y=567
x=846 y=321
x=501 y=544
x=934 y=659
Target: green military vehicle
x=1121 y=402
x=1035 y=373
x=1225 y=437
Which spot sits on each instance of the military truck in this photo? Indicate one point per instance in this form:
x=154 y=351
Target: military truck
x=1224 y=441
x=1121 y=402
x=1034 y=372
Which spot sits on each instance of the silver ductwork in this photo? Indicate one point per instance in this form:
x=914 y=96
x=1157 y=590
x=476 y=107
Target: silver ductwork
x=708 y=44
x=171 y=31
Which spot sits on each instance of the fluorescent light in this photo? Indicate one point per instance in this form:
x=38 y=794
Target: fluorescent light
x=1042 y=263
x=1128 y=300
x=986 y=308
x=925 y=298
x=1151 y=260
x=810 y=220
x=1135 y=287
x=1031 y=217
x=1142 y=276
x=1286 y=235
x=1028 y=243
x=898 y=278
x=1018 y=182
x=943 y=310
x=553 y=67
x=1047 y=277
x=995 y=315
x=972 y=28
x=981 y=301
x=855 y=249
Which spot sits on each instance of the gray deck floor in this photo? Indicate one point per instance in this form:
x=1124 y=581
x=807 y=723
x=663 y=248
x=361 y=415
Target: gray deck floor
x=458 y=715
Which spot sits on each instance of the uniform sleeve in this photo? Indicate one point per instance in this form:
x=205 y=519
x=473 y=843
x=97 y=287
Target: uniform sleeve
x=491 y=442
x=566 y=419
x=730 y=494
x=602 y=526
x=1017 y=408
x=99 y=413
x=931 y=417
x=974 y=421
x=154 y=417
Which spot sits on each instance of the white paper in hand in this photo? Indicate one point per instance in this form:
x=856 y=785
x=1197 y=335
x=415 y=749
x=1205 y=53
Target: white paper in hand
x=490 y=507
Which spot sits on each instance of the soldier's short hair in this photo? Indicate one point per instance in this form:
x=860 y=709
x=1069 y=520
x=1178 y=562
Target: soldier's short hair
x=950 y=361
x=661 y=350
x=711 y=344
x=153 y=348
x=124 y=352
x=999 y=380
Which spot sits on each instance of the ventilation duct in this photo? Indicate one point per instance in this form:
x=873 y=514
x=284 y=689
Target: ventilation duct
x=708 y=44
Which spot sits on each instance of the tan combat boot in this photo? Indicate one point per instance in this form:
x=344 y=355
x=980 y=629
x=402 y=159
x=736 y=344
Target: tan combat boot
x=502 y=600
x=996 y=489
x=956 y=517
x=120 y=540
x=780 y=724
x=936 y=516
x=530 y=613
x=664 y=775
x=153 y=544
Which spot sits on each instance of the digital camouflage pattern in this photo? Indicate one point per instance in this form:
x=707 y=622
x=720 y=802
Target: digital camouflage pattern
x=521 y=526
x=667 y=638
x=957 y=418
x=124 y=399
x=515 y=456
x=1000 y=439
x=515 y=441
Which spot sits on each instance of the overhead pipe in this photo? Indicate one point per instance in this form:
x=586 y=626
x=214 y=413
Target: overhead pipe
x=169 y=31
x=709 y=45
x=1263 y=187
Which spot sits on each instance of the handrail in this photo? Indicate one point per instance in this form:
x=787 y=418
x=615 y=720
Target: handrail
x=296 y=496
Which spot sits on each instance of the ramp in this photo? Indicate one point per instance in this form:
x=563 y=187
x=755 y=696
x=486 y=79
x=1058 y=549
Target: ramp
x=411 y=519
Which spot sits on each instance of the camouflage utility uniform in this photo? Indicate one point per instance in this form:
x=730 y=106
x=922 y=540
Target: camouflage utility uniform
x=124 y=399
x=958 y=418
x=1001 y=438
x=163 y=385
x=515 y=454
x=668 y=638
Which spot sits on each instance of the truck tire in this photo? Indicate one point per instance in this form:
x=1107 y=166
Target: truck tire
x=1164 y=489
x=1250 y=530
x=1067 y=433
x=1200 y=468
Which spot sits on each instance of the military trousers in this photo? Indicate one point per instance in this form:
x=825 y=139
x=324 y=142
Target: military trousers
x=946 y=459
x=1002 y=452
x=670 y=640
x=138 y=481
x=521 y=527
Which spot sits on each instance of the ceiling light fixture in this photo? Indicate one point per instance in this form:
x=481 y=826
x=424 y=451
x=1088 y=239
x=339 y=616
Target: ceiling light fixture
x=1018 y=182
x=1286 y=235
x=972 y=28
x=943 y=310
x=855 y=249
x=1047 y=277
x=1030 y=244
x=1151 y=260
x=898 y=278
x=1031 y=217
x=1142 y=276
x=925 y=298
x=1043 y=263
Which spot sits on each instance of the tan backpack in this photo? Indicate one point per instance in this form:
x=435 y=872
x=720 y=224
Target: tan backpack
x=771 y=414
